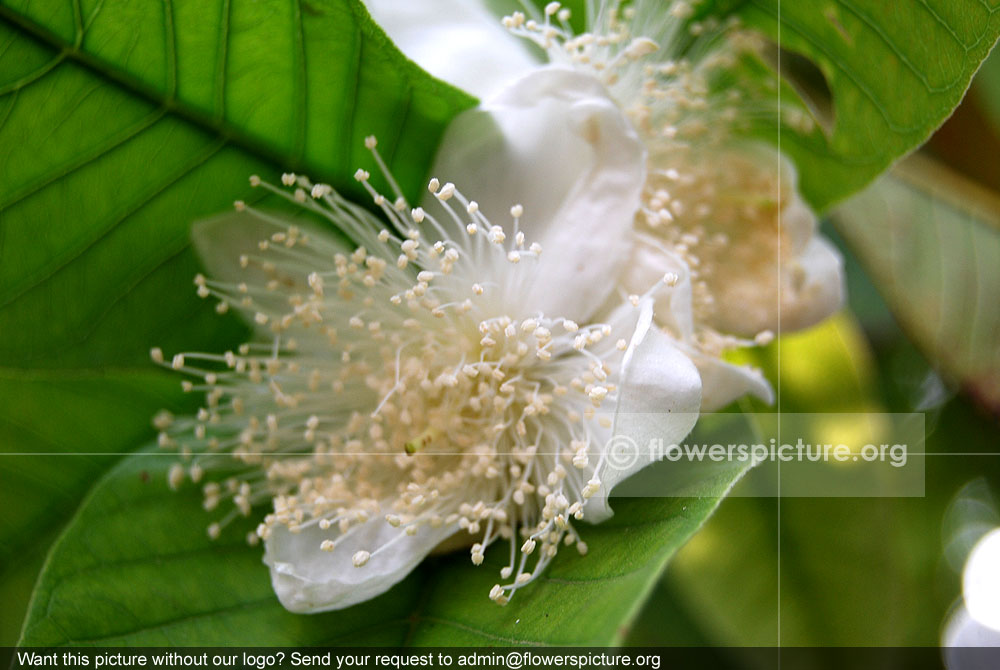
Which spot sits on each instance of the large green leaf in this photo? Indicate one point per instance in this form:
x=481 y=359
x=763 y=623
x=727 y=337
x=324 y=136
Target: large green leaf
x=135 y=567
x=895 y=71
x=121 y=122
x=931 y=241
x=124 y=121
x=42 y=485
x=43 y=478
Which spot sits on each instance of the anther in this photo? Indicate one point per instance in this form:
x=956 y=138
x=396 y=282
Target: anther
x=446 y=192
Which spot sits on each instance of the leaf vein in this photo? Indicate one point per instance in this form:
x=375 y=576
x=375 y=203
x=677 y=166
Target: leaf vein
x=132 y=208
x=221 y=62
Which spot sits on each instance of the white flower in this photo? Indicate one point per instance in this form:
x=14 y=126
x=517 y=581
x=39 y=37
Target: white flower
x=458 y=41
x=442 y=380
x=722 y=214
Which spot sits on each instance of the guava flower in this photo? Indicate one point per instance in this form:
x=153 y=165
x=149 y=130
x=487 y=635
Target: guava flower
x=722 y=213
x=728 y=207
x=441 y=381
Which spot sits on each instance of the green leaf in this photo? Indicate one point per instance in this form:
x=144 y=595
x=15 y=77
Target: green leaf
x=127 y=120
x=122 y=122
x=169 y=584
x=42 y=479
x=931 y=242
x=895 y=74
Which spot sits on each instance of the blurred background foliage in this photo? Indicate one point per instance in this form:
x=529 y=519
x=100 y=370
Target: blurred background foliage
x=857 y=571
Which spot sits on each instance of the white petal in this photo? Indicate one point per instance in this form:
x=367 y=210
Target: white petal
x=308 y=579
x=554 y=142
x=650 y=260
x=818 y=289
x=812 y=288
x=458 y=41
x=223 y=239
x=798 y=222
x=723 y=382
x=659 y=399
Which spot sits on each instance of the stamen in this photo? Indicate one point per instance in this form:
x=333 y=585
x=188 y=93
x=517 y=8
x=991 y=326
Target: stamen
x=380 y=376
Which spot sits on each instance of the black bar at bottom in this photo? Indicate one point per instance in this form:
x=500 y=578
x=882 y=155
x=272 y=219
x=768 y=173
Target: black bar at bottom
x=342 y=658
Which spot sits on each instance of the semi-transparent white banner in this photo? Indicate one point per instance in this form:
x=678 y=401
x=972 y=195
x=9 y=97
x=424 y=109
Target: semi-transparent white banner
x=791 y=455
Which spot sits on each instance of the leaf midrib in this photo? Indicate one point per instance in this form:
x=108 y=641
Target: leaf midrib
x=166 y=103
x=804 y=33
